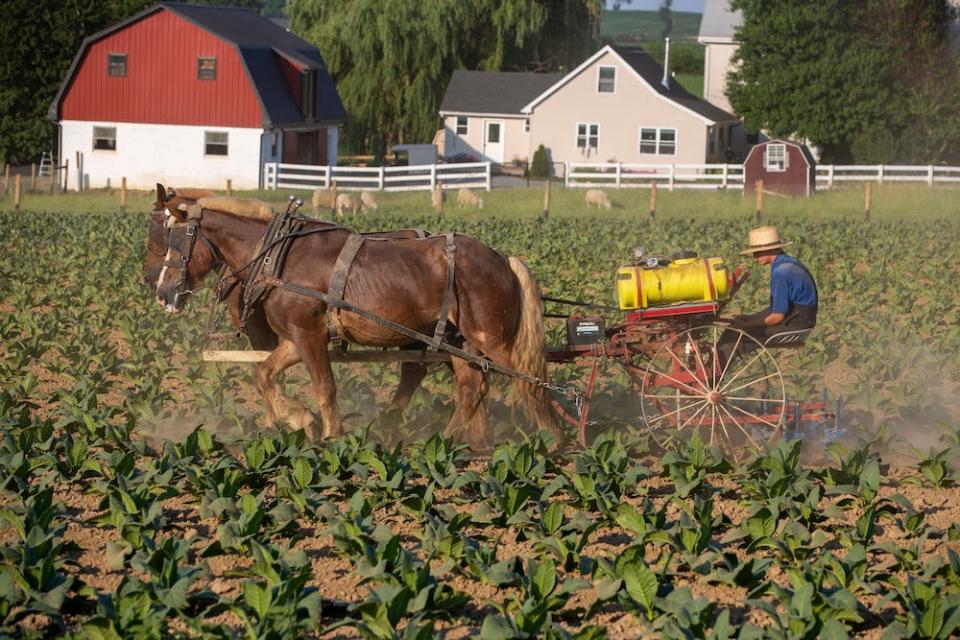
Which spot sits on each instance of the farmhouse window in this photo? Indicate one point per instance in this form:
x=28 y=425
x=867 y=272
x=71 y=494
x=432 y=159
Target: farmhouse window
x=526 y=125
x=607 y=80
x=215 y=143
x=105 y=138
x=775 y=157
x=461 y=125
x=206 y=68
x=588 y=135
x=117 y=64
x=658 y=141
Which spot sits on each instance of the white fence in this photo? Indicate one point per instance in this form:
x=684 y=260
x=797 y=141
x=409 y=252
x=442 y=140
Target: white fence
x=672 y=176
x=279 y=175
x=829 y=175
x=730 y=176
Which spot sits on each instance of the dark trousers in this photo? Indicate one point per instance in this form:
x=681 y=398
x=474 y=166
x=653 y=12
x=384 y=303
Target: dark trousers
x=784 y=334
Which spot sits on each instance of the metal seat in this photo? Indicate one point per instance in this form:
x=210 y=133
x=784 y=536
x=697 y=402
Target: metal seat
x=788 y=339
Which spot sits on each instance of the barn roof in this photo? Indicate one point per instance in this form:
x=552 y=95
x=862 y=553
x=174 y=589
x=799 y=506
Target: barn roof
x=257 y=40
x=719 y=22
x=500 y=92
x=652 y=74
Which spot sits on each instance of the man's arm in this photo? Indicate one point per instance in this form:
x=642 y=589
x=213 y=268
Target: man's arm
x=774 y=318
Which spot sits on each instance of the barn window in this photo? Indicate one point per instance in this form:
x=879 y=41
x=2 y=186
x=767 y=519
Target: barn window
x=105 y=138
x=607 y=80
x=658 y=141
x=215 y=143
x=461 y=125
x=775 y=157
x=117 y=64
x=588 y=135
x=206 y=68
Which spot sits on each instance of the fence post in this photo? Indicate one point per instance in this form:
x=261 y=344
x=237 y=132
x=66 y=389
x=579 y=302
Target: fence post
x=726 y=169
x=759 y=186
x=880 y=173
x=229 y=187
x=672 y=174
x=438 y=198
x=867 y=200
x=79 y=172
x=333 y=198
x=930 y=175
x=433 y=176
x=66 y=174
x=33 y=177
x=546 y=198
x=123 y=194
x=16 y=193
x=653 y=198
x=381 y=183
x=619 y=171
x=830 y=177
x=489 y=175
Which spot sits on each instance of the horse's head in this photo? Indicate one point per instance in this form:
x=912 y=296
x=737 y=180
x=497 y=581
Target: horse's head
x=185 y=260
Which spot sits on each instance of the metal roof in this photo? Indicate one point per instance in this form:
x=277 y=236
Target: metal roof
x=719 y=22
x=257 y=40
x=501 y=92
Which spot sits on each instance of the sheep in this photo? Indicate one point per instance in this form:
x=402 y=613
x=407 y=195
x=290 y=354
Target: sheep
x=467 y=198
x=322 y=200
x=599 y=198
x=368 y=200
x=347 y=202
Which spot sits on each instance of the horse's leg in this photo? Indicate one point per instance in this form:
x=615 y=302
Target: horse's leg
x=313 y=352
x=279 y=408
x=411 y=375
x=469 y=422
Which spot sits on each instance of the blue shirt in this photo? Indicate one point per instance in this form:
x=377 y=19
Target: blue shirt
x=790 y=283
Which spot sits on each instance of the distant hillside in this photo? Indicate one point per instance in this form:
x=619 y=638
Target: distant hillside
x=634 y=28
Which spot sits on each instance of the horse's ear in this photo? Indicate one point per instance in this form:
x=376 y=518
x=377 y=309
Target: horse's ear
x=161 y=193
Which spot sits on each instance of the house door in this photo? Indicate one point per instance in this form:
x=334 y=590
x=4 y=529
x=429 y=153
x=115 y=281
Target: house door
x=493 y=140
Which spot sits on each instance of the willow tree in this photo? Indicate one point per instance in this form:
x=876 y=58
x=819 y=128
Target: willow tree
x=392 y=59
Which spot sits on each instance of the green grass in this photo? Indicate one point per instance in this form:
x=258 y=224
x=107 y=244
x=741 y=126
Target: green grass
x=692 y=82
x=889 y=202
x=632 y=28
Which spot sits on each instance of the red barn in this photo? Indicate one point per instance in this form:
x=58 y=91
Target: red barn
x=785 y=167
x=194 y=95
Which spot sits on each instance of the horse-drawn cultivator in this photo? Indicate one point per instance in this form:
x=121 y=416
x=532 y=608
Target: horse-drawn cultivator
x=687 y=369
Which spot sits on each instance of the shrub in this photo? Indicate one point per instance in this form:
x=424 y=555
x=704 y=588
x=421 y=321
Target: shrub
x=540 y=167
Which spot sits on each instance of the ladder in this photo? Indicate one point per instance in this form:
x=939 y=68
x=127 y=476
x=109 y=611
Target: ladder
x=46 y=163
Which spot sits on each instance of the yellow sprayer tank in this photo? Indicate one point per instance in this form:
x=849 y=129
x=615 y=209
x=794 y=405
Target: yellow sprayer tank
x=683 y=280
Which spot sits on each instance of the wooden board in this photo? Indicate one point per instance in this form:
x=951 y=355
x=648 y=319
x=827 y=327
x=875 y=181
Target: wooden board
x=365 y=355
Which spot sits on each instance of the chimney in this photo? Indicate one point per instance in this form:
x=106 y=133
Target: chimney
x=666 y=64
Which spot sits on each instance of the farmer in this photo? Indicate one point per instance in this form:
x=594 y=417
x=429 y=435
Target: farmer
x=793 y=299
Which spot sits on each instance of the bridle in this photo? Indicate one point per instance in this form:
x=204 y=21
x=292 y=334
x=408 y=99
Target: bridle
x=191 y=233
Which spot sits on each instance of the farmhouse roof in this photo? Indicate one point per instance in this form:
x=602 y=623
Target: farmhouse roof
x=257 y=40
x=500 y=92
x=647 y=69
x=719 y=22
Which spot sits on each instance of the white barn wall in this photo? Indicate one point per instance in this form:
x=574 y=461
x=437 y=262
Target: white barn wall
x=171 y=154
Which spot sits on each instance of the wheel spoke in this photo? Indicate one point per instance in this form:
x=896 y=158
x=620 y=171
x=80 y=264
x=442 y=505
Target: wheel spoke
x=701 y=365
x=740 y=426
x=755 y=417
x=771 y=400
x=685 y=367
x=726 y=365
x=672 y=397
x=752 y=382
x=695 y=413
x=678 y=412
x=713 y=421
x=741 y=370
x=672 y=379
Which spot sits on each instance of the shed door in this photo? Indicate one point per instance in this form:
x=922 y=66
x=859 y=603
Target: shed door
x=493 y=131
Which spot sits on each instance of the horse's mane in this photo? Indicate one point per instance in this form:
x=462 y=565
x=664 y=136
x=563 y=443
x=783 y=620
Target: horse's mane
x=241 y=207
x=194 y=193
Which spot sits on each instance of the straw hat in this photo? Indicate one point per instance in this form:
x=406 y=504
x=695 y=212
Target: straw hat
x=763 y=239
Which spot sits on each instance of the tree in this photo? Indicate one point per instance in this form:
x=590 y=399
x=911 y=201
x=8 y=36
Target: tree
x=36 y=49
x=666 y=18
x=852 y=77
x=392 y=59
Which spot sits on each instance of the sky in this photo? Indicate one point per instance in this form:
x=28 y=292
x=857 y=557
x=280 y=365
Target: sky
x=695 y=6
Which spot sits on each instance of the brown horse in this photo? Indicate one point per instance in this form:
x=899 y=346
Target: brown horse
x=256 y=328
x=496 y=308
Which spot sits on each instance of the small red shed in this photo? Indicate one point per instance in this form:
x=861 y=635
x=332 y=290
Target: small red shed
x=785 y=167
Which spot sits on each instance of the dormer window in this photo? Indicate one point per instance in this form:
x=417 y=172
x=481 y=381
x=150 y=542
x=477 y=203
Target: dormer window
x=607 y=80
x=117 y=64
x=206 y=68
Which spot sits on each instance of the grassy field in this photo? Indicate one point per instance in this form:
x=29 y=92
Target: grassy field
x=635 y=28
x=142 y=497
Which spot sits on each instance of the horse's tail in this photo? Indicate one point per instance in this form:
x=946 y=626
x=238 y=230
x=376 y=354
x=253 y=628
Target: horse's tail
x=529 y=354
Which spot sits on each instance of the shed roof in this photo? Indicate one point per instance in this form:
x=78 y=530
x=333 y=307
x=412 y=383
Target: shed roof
x=501 y=92
x=719 y=22
x=257 y=40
